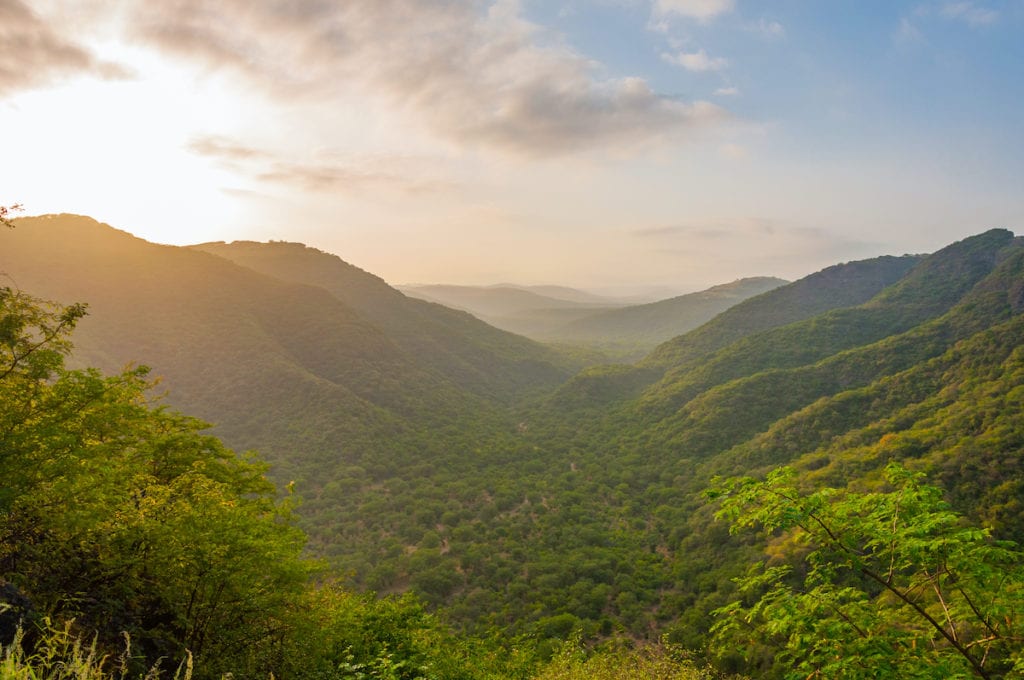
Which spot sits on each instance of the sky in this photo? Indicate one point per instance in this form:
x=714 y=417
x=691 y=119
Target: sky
x=611 y=145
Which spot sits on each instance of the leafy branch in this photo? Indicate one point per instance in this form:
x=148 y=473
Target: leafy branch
x=895 y=582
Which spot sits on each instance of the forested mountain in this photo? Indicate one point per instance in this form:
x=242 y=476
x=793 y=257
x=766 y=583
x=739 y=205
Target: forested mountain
x=651 y=324
x=288 y=368
x=580 y=506
x=475 y=356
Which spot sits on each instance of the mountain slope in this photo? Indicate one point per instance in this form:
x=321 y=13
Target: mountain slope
x=930 y=289
x=499 y=301
x=518 y=309
x=841 y=285
x=285 y=367
x=650 y=324
x=473 y=355
x=835 y=287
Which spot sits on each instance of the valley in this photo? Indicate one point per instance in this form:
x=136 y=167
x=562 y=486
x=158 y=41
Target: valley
x=531 y=489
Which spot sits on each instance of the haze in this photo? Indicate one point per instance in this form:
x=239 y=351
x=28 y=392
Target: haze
x=609 y=143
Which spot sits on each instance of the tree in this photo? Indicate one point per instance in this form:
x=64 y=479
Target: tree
x=868 y=585
x=122 y=515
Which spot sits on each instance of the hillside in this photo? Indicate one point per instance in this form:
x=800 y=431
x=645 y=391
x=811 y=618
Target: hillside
x=285 y=367
x=648 y=325
x=529 y=311
x=473 y=355
x=841 y=285
x=834 y=287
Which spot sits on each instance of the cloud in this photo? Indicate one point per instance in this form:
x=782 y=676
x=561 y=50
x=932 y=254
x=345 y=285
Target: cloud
x=323 y=172
x=969 y=12
x=696 y=61
x=225 y=149
x=730 y=91
x=907 y=34
x=703 y=10
x=478 y=78
x=33 y=53
x=712 y=229
x=736 y=152
x=768 y=28
x=751 y=244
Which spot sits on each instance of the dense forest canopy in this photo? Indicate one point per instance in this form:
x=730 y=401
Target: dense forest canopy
x=516 y=516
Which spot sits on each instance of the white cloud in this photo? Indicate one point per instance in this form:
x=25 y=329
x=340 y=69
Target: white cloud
x=907 y=34
x=703 y=10
x=320 y=171
x=970 y=12
x=698 y=61
x=769 y=28
x=730 y=91
x=484 y=78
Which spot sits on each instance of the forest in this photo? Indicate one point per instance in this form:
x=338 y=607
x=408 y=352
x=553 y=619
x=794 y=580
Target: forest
x=255 y=460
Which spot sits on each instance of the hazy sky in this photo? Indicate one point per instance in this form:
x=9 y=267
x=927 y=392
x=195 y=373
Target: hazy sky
x=583 y=142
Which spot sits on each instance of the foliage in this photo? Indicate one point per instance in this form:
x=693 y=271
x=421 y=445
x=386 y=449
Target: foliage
x=61 y=655
x=838 y=286
x=615 y=662
x=883 y=584
x=124 y=516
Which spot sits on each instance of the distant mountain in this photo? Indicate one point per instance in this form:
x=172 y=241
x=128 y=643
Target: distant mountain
x=835 y=287
x=566 y=293
x=841 y=285
x=502 y=300
x=646 y=326
x=565 y=315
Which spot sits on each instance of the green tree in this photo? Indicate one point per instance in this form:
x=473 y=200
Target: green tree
x=125 y=517
x=870 y=585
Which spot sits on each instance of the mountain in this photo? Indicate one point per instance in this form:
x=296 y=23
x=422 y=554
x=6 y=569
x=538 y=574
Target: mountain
x=470 y=353
x=517 y=309
x=506 y=300
x=841 y=285
x=564 y=293
x=933 y=287
x=626 y=331
x=925 y=370
x=834 y=287
x=648 y=325
x=283 y=366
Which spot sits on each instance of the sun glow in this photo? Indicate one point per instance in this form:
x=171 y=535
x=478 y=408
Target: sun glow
x=117 y=148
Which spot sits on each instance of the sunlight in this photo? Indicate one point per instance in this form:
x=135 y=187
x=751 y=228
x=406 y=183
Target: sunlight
x=117 y=149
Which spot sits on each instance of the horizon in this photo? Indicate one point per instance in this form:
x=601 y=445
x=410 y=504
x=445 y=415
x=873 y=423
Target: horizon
x=616 y=144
